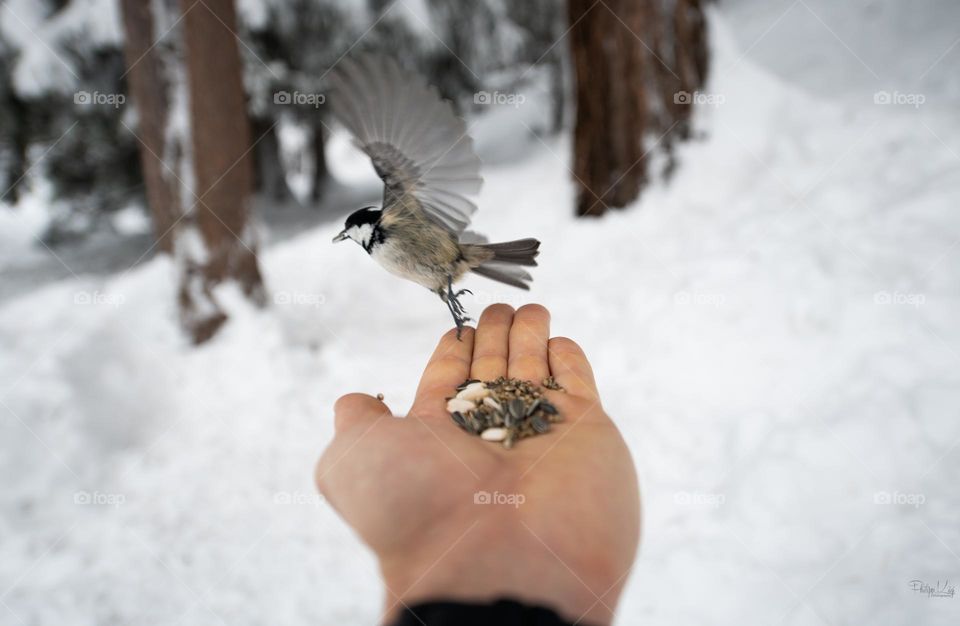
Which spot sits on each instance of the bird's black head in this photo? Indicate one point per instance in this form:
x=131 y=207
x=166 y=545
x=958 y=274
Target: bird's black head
x=361 y=226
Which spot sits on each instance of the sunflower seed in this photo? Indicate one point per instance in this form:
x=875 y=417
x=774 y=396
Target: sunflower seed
x=540 y=425
x=505 y=410
x=474 y=392
x=459 y=404
x=494 y=434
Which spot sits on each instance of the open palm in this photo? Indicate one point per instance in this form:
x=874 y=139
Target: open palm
x=554 y=520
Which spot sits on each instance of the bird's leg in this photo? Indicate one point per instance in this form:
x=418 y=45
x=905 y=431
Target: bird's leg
x=453 y=303
x=456 y=311
x=453 y=296
x=457 y=294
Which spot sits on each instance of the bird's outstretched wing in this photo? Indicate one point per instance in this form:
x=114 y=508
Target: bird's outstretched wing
x=418 y=146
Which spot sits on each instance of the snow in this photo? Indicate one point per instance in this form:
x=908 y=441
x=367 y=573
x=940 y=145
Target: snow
x=131 y=220
x=255 y=13
x=43 y=63
x=415 y=15
x=882 y=44
x=20 y=227
x=774 y=331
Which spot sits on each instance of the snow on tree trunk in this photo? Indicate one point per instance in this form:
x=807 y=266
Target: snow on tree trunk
x=690 y=53
x=636 y=65
x=195 y=150
x=222 y=183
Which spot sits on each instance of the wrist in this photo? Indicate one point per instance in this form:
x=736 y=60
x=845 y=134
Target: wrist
x=472 y=559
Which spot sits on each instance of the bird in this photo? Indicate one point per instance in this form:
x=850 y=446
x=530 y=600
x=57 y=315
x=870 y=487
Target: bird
x=422 y=152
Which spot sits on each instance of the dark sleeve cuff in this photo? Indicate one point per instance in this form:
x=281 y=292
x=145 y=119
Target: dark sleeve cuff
x=501 y=613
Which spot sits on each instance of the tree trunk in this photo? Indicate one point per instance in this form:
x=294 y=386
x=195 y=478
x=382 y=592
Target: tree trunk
x=628 y=94
x=269 y=176
x=19 y=143
x=220 y=138
x=611 y=112
x=689 y=54
x=149 y=90
x=558 y=91
x=320 y=171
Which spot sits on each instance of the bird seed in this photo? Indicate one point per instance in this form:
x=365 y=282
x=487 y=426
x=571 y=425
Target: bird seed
x=504 y=410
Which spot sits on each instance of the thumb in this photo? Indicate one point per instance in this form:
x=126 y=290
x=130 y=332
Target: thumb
x=357 y=408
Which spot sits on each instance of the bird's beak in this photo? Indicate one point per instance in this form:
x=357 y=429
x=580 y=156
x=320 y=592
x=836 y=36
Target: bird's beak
x=341 y=236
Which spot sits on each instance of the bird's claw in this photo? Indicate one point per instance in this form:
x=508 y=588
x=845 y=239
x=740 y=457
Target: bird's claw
x=456 y=309
x=460 y=325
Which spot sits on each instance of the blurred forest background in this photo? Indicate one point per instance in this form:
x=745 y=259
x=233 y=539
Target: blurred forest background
x=749 y=220
x=114 y=112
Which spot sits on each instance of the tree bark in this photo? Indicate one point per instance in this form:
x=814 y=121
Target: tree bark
x=149 y=91
x=628 y=93
x=608 y=166
x=220 y=137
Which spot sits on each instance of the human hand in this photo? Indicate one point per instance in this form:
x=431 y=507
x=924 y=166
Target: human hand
x=569 y=534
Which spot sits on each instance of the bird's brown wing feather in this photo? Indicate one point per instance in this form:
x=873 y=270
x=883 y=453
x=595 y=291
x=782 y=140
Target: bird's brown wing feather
x=418 y=146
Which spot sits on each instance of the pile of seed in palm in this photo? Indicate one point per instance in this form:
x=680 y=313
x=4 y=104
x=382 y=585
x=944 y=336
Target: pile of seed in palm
x=504 y=410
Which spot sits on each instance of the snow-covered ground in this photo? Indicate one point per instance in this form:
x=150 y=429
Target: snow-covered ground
x=774 y=331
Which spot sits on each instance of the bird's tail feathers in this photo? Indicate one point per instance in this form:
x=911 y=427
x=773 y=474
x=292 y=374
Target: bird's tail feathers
x=519 y=252
x=502 y=261
x=508 y=274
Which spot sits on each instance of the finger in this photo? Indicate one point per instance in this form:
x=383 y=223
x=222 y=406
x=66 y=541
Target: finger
x=357 y=408
x=574 y=408
x=448 y=367
x=571 y=369
x=491 y=343
x=528 y=344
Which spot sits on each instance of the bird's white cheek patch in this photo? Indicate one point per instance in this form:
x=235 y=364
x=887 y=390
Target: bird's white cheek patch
x=362 y=234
